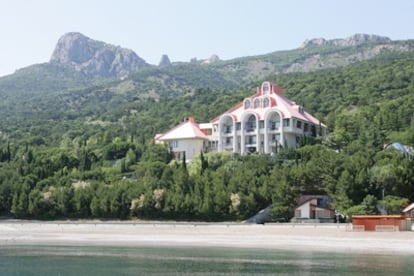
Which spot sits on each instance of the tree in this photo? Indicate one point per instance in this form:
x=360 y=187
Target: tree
x=283 y=197
x=82 y=201
x=63 y=197
x=394 y=204
x=204 y=163
x=8 y=153
x=370 y=204
x=341 y=200
x=131 y=158
x=20 y=202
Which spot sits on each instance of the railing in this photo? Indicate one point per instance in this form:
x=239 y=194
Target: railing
x=228 y=145
x=250 y=143
x=273 y=142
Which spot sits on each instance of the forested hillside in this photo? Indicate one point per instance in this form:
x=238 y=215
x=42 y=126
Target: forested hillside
x=89 y=153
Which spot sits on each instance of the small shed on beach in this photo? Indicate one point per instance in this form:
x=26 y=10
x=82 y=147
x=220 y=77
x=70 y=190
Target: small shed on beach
x=314 y=208
x=382 y=222
x=409 y=210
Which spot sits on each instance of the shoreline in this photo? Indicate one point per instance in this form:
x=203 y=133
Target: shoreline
x=303 y=237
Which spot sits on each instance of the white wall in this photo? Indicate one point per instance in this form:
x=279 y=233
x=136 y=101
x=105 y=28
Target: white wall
x=305 y=210
x=192 y=147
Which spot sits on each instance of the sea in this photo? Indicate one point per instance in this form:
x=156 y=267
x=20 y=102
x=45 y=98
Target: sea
x=109 y=260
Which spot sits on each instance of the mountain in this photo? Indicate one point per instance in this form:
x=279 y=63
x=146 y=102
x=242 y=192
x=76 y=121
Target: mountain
x=79 y=62
x=95 y=58
x=238 y=72
x=350 y=41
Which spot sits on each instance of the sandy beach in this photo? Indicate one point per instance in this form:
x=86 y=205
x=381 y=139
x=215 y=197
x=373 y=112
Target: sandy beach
x=315 y=237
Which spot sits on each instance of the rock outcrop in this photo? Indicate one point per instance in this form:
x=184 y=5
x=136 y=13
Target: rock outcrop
x=350 y=41
x=214 y=58
x=95 y=58
x=164 y=61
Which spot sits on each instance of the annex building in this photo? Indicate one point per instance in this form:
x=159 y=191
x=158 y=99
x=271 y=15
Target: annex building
x=264 y=123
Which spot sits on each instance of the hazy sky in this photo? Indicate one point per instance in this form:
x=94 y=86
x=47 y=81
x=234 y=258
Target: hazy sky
x=183 y=29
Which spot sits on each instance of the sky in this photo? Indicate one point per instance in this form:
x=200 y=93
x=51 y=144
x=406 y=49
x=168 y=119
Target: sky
x=183 y=29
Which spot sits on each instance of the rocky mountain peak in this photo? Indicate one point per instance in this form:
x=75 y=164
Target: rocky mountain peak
x=349 y=41
x=95 y=58
x=363 y=38
x=214 y=58
x=314 y=42
x=164 y=61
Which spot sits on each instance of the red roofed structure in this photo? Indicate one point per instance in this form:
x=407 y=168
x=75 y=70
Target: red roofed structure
x=186 y=138
x=264 y=123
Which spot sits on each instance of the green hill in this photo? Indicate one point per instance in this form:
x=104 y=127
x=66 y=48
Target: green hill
x=72 y=146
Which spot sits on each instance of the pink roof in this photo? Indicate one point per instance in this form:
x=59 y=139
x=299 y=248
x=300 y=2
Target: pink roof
x=185 y=130
x=287 y=107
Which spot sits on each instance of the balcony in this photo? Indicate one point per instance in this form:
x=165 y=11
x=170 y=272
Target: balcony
x=250 y=127
x=251 y=142
x=274 y=126
x=228 y=145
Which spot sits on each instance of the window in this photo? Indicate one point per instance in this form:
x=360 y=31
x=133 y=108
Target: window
x=274 y=125
x=238 y=126
x=251 y=123
x=265 y=88
x=246 y=104
x=305 y=127
x=229 y=141
x=298 y=124
x=286 y=122
x=174 y=144
x=227 y=129
x=251 y=140
x=256 y=103
x=266 y=102
x=313 y=130
x=275 y=137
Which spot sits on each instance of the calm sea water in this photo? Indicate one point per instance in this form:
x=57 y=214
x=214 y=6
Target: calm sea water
x=78 y=260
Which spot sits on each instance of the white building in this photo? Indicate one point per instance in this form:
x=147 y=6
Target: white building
x=264 y=123
x=186 y=138
x=314 y=208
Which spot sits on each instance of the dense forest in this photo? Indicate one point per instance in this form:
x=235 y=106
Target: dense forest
x=89 y=153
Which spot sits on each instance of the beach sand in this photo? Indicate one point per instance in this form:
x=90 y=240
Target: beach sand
x=308 y=237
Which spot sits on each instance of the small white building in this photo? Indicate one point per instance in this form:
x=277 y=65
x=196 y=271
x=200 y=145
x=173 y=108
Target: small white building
x=186 y=138
x=409 y=210
x=314 y=208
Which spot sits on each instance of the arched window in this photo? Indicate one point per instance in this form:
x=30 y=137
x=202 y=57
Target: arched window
x=256 y=103
x=265 y=88
x=251 y=123
x=246 y=104
x=266 y=102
